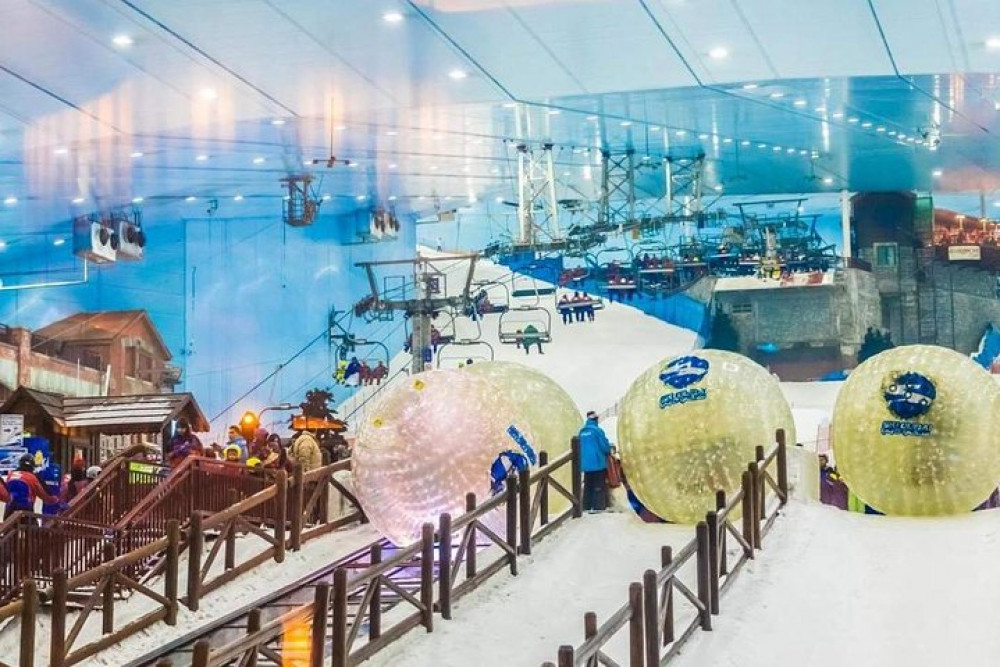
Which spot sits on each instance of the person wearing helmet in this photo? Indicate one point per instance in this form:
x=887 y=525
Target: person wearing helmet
x=232 y=454
x=24 y=488
x=93 y=472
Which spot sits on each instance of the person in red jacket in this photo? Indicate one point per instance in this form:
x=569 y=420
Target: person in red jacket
x=24 y=488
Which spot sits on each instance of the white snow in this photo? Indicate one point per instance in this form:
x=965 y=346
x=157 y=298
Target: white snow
x=835 y=588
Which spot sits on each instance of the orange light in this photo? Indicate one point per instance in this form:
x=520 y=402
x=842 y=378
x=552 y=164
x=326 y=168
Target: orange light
x=248 y=424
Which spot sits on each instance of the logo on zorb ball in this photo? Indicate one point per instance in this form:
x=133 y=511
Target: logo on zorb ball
x=680 y=374
x=908 y=396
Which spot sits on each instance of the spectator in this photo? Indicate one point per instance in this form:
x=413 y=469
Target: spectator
x=531 y=337
x=183 y=444
x=305 y=452
x=594 y=452
x=76 y=482
x=232 y=454
x=259 y=443
x=23 y=488
x=236 y=438
x=275 y=457
x=565 y=309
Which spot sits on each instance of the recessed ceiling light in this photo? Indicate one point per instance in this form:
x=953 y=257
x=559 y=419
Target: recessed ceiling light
x=495 y=170
x=393 y=165
x=191 y=198
x=498 y=200
x=433 y=167
x=727 y=140
x=626 y=123
x=202 y=158
x=654 y=128
x=803 y=152
x=391 y=133
x=937 y=173
x=680 y=133
x=853 y=119
x=353 y=165
x=238 y=198
x=208 y=94
x=78 y=200
x=566 y=173
x=718 y=188
x=360 y=197
x=776 y=149
x=591 y=118
x=901 y=136
x=136 y=200
x=261 y=160
x=122 y=41
x=3 y=245
x=448 y=198
x=866 y=124
x=509 y=105
x=61 y=151
x=800 y=103
x=554 y=112
x=838 y=114
x=392 y=17
x=790 y=151
x=703 y=136
x=340 y=128
x=327 y=197
x=278 y=121
x=718 y=53
x=466 y=169
x=776 y=96
x=820 y=109
x=10 y=201
x=880 y=129
x=392 y=197
x=457 y=74
x=745 y=142
x=892 y=133
x=58 y=242
x=993 y=43
x=761 y=145
x=137 y=154
x=749 y=86
x=828 y=181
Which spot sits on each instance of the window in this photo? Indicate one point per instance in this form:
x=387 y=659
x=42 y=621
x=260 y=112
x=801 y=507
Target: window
x=742 y=308
x=886 y=255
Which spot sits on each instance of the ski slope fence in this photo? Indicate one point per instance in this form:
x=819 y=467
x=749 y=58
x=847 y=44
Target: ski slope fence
x=649 y=617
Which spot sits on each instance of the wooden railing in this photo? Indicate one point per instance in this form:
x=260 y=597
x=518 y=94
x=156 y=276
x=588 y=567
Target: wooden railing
x=649 y=616
x=116 y=491
x=283 y=515
x=352 y=613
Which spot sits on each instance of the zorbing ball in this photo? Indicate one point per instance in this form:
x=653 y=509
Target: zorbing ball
x=431 y=440
x=543 y=407
x=689 y=426
x=916 y=431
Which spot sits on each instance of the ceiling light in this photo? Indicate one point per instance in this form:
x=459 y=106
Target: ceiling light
x=626 y=123
x=122 y=41
x=749 y=86
x=680 y=133
x=880 y=129
x=10 y=201
x=866 y=124
x=803 y=152
x=719 y=53
x=901 y=136
x=191 y=198
x=448 y=198
x=327 y=197
x=261 y=160
x=59 y=241
x=238 y=198
x=727 y=140
x=937 y=173
x=499 y=200
x=78 y=200
x=790 y=151
x=278 y=121
x=202 y=158
x=392 y=197
x=340 y=128
x=137 y=154
x=137 y=200
x=566 y=173
x=892 y=133
x=703 y=136
x=853 y=119
x=828 y=181
x=820 y=109
x=838 y=114
x=434 y=167
x=465 y=169
x=360 y=197
x=776 y=149
x=761 y=145
x=718 y=188
x=776 y=96
x=509 y=105
x=495 y=170
x=60 y=151
x=800 y=103
x=654 y=128
x=352 y=165
x=208 y=94
x=392 y=17
x=393 y=165
x=993 y=43
x=457 y=74
x=554 y=112
x=3 y=244
x=391 y=133
x=592 y=118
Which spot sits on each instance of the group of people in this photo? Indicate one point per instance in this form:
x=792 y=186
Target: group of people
x=576 y=308
x=23 y=486
x=355 y=372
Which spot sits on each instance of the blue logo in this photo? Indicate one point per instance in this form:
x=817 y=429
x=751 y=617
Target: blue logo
x=511 y=460
x=910 y=395
x=684 y=371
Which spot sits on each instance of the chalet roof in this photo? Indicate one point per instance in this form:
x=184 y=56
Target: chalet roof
x=101 y=326
x=112 y=414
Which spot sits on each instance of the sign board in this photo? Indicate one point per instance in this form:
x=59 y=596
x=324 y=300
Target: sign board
x=964 y=253
x=11 y=430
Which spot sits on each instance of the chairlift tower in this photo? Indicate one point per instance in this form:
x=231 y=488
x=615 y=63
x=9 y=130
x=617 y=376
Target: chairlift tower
x=420 y=288
x=684 y=180
x=617 y=189
x=537 y=206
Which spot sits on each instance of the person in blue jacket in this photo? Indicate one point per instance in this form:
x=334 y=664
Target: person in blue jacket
x=594 y=451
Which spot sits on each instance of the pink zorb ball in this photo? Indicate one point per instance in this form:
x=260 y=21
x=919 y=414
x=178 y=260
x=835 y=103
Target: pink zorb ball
x=430 y=441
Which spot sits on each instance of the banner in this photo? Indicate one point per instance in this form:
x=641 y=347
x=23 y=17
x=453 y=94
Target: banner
x=964 y=253
x=11 y=430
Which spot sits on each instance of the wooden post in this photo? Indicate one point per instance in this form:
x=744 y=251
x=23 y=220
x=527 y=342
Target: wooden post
x=543 y=491
x=427 y=576
x=577 y=485
x=375 y=609
x=29 y=612
x=172 y=572
x=720 y=505
x=57 y=644
x=253 y=625
x=566 y=656
x=444 y=566
x=704 y=594
x=317 y=645
x=281 y=517
x=324 y=501
x=230 y=555
x=761 y=486
x=635 y=634
x=524 y=507
x=108 y=593
x=340 y=618
x=201 y=652
x=196 y=540
x=749 y=507
x=651 y=620
x=712 y=521
x=470 y=554
x=666 y=559
x=757 y=479
x=782 y=465
x=298 y=507
x=589 y=624
x=512 y=522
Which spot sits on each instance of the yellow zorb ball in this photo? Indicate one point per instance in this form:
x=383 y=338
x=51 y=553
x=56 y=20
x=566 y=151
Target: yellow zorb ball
x=430 y=441
x=542 y=406
x=690 y=425
x=916 y=431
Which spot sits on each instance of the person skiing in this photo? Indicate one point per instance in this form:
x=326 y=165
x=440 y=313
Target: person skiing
x=24 y=488
x=594 y=452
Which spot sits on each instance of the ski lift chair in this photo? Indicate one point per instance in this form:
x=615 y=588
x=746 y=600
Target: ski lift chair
x=450 y=355
x=513 y=322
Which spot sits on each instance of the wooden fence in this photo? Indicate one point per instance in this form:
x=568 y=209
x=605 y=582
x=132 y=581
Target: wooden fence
x=282 y=515
x=649 y=617
x=356 y=615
